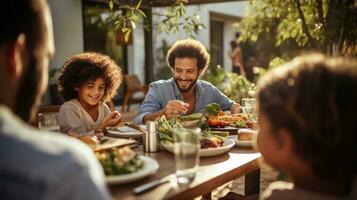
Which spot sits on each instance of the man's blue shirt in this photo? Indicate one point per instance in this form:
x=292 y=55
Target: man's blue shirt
x=160 y=92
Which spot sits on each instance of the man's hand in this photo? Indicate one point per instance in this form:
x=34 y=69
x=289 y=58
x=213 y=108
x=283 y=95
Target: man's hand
x=174 y=108
x=235 y=108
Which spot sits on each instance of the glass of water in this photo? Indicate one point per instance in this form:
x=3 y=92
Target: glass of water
x=248 y=102
x=48 y=121
x=249 y=108
x=186 y=149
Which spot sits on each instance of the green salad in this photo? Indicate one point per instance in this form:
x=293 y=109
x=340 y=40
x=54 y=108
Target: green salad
x=119 y=161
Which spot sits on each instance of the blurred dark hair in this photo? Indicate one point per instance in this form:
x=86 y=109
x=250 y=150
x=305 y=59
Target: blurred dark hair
x=314 y=98
x=237 y=35
x=21 y=16
x=189 y=48
x=234 y=44
x=83 y=67
x=25 y=17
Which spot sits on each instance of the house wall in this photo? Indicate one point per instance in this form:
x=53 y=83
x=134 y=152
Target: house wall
x=67 y=28
x=68 y=34
x=235 y=9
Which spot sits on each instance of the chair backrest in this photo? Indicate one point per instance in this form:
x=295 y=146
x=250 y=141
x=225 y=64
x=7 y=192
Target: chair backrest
x=132 y=81
x=45 y=109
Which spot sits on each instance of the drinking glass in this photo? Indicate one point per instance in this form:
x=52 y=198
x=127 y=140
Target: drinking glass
x=249 y=108
x=248 y=102
x=186 y=149
x=48 y=121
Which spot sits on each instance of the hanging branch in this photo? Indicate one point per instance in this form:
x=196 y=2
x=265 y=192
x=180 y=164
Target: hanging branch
x=304 y=24
x=130 y=16
x=175 y=18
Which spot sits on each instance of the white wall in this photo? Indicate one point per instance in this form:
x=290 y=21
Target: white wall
x=68 y=33
x=235 y=9
x=136 y=54
x=68 y=29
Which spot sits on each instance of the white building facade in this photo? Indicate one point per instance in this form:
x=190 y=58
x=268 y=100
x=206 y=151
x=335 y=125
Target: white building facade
x=67 y=18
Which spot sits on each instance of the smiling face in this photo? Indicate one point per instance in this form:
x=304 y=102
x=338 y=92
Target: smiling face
x=185 y=73
x=91 y=92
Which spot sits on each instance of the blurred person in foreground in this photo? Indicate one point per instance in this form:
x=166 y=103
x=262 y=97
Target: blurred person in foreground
x=184 y=93
x=308 y=124
x=34 y=164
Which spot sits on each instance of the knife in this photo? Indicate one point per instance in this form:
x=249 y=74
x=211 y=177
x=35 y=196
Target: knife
x=147 y=186
x=134 y=126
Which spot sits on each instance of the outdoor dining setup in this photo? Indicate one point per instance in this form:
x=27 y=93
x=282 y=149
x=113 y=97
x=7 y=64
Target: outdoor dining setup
x=180 y=158
x=114 y=126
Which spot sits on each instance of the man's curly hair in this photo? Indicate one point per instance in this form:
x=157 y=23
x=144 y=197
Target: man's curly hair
x=189 y=48
x=314 y=98
x=83 y=67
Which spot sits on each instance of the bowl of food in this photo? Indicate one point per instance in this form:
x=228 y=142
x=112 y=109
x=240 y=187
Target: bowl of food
x=246 y=137
x=123 y=165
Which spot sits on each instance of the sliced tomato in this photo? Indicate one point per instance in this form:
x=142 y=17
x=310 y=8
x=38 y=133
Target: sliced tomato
x=222 y=124
x=213 y=122
x=221 y=113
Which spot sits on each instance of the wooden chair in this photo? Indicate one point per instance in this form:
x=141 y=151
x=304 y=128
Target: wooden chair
x=45 y=109
x=133 y=85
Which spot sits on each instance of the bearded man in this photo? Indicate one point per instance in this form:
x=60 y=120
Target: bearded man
x=184 y=93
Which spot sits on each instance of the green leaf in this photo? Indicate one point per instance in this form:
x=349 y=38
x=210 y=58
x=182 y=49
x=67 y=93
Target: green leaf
x=138 y=5
x=127 y=35
x=111 y=4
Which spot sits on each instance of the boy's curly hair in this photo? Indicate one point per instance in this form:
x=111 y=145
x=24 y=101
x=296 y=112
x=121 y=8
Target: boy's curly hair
x=83 y=67
x=189 y=48
x=314 y=98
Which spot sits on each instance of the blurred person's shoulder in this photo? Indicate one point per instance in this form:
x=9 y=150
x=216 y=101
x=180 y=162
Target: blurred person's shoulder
x=38 y=160
x=284 y=190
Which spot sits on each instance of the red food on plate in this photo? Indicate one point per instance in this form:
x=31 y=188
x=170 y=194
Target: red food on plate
x=212 y=142
x=221 y=113
x=222 y=124
x=213 y=122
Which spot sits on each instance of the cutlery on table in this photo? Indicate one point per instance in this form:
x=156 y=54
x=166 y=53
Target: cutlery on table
x=147 y=186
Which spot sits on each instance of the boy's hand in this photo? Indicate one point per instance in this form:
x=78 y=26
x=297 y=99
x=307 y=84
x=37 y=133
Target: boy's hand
x=113 y=119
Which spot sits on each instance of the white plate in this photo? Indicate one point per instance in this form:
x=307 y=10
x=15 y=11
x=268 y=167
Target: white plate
x=244 y=143
x=124 y=131
x=227 y=145
x=150 y=167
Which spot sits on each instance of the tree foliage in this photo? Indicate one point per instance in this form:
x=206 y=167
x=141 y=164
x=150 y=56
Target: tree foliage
x=126 y=20
x=326 y=25
x=173 y=18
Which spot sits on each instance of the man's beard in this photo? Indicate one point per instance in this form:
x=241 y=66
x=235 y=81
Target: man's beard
x=27 y=94
x=188 y=88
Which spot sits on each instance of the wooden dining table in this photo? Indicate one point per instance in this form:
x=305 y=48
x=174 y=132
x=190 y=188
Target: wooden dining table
x=212 y=173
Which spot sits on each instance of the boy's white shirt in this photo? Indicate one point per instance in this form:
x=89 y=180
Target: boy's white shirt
x=73 y=117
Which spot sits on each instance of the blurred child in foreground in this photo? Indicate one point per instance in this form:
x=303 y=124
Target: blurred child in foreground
x=308 y=124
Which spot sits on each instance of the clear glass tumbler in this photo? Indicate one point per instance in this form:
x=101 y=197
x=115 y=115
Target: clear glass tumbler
x=186 y=149
x=48 y=121
x=249 y=108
